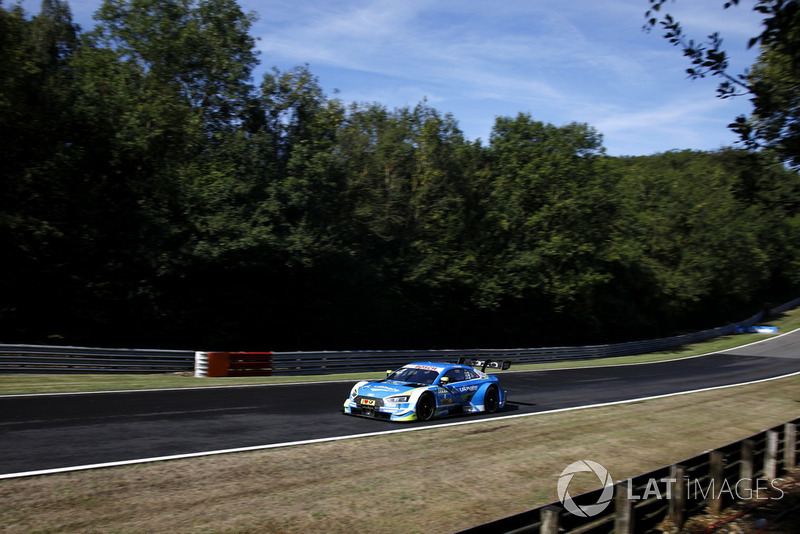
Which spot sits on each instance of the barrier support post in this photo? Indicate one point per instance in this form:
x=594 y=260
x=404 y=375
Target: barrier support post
x=789 y=446
x=716 y=473
x=548 y=516
x=746 y=467
x=624 y=521
x=771 y=455
x=677 y=495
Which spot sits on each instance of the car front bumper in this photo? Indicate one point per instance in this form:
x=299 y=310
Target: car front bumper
x=386 y=413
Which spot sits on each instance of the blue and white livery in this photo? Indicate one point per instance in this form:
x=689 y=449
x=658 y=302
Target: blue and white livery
x=422 y=391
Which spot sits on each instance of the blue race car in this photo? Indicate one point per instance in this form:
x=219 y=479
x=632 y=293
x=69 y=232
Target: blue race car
x=423 y=390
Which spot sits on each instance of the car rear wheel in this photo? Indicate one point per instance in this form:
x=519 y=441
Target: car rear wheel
x=492 y=400
x=426 y=406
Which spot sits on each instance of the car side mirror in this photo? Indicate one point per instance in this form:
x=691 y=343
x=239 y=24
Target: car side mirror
x=388 y=372
x=444 y=380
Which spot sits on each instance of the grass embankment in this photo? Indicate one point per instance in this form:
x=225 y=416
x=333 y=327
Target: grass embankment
x=26 y=384
x=437 y=480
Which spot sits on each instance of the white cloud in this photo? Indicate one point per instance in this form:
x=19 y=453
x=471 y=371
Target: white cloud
x=680 y=123
x=581 y=60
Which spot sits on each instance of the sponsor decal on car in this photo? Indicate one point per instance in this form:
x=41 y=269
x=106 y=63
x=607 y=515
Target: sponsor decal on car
x=424 y=367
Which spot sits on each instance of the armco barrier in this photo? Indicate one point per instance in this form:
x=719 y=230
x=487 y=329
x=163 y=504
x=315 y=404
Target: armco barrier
x=232 y=364
x=39 y=359
x=32 y=359
x=324 y=362
x=670 y=495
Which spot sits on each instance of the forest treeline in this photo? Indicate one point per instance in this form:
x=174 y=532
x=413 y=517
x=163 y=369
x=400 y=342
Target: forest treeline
x=155 y=195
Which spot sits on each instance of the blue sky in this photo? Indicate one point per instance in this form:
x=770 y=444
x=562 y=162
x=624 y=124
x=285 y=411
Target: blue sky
x=567 y=61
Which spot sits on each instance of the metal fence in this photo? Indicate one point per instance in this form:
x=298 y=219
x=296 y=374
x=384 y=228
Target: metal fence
x=663 y=499
x=38 y=359
x=299 y=363
x=33 y=359
x=325 y=362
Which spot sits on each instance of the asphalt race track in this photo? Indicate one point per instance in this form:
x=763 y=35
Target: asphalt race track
x=60 y=431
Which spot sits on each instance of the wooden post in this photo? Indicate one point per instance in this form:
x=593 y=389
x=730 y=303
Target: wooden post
x=746 y=469
x=677 y=495
x=771 y=455
x=789 y=446
x=548 y=515
x=624 y=517
x=716 y=474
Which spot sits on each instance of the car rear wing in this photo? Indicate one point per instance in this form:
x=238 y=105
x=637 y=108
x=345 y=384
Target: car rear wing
x=483 y=364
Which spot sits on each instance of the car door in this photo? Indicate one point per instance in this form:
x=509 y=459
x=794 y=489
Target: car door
x=468 y=385
x=458 y=387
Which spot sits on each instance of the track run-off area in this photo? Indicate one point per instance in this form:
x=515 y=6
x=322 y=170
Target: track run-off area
x=53 y=433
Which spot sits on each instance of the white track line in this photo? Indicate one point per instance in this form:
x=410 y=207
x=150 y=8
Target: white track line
x=369 y=434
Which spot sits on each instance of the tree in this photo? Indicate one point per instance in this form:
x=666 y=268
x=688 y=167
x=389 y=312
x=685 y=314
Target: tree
x=202 y=49
x=167 y=83
x=302 y=178
x=696 y=235
x=38 y=161
x=156 y=100
x=548 y=218
x=772 y=84
x=410 y=185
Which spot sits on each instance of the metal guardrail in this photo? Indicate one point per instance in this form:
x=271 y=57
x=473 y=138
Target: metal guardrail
x=323 y=362
x=717 y=477
x=37 y=359
x=785 y=307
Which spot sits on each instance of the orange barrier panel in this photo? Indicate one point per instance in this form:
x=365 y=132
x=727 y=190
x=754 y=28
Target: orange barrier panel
x=250 y=364
x=218 y=363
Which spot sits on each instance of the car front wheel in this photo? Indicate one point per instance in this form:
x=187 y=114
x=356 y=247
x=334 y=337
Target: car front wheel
x=426 y=406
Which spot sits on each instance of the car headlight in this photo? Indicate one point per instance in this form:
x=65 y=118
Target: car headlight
x=397 y=399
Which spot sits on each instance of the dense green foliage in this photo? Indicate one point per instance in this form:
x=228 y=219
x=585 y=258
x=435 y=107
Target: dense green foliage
x=774 y=124
x=153 y=195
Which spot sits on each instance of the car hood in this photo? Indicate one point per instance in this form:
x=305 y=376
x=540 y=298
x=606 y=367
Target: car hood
x=386 y=388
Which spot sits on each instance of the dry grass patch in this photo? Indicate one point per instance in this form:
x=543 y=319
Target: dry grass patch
x=437 y=480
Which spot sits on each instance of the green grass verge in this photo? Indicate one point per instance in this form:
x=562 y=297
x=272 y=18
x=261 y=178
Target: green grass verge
x=29 y=384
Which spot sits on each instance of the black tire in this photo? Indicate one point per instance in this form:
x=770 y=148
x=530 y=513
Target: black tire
x=426 y=407
x=491 y=400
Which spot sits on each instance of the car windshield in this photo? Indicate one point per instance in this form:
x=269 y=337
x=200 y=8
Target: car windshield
x=414 y=375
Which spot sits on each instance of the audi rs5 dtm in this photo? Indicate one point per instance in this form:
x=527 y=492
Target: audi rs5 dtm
x=424 y=390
